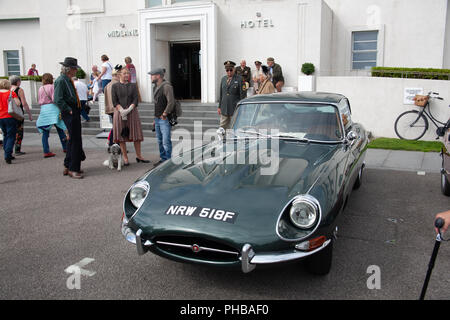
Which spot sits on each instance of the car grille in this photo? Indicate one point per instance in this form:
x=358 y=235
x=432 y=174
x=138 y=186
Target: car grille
x=197 y=248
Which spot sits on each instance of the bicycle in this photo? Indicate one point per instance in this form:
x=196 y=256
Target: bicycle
x=412 y=125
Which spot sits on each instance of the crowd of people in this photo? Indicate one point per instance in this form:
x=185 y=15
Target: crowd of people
x=235 y=85
x=64 y=101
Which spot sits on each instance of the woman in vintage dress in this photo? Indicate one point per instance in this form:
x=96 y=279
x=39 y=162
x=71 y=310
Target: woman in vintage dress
x=127 y=124
x=266 y=86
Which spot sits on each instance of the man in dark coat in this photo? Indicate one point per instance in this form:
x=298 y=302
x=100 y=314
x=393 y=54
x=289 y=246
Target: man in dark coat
x=231 y=92
x=66 y=98
x=246 y=73
x=277 y=74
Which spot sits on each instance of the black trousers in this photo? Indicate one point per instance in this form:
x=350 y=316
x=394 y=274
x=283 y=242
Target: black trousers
x=75 y=153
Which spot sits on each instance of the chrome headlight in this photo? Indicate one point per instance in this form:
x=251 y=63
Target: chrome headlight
x=304 y=212
x=138 y=193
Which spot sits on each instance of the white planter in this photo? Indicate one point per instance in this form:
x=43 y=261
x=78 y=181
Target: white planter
x=306 y=83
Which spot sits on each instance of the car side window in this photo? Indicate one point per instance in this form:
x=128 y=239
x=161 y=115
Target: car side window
x=346 y=114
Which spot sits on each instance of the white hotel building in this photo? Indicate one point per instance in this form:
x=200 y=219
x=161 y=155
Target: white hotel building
x=192 y=39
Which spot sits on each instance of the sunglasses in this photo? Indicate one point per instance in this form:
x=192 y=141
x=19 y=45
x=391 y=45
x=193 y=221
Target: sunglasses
x=228 y=70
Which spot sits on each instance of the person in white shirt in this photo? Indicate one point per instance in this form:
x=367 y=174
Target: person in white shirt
x=82 y=91
x=106 y=76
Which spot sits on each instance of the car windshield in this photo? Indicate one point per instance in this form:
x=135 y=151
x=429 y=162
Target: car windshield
x=298 y=121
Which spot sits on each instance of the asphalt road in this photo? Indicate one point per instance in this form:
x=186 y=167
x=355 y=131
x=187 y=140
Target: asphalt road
x=49 y=222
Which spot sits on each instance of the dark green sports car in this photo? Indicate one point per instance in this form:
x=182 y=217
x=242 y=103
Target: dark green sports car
x=268 y=190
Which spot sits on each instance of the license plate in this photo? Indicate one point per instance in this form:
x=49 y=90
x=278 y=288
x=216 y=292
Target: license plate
x=204 y=213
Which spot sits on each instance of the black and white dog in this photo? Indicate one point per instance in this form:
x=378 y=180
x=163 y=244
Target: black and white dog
x=115 y=157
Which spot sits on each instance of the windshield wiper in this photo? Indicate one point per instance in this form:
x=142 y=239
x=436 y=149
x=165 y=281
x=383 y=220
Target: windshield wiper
x=289 y=137
x=259 y=134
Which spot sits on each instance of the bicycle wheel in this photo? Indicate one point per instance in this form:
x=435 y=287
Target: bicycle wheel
x=411 y=125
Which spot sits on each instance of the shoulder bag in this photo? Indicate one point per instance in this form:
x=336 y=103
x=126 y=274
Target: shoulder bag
x=13 y=109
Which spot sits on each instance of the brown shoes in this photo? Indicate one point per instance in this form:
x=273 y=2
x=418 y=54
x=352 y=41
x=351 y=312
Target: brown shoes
x=75 y=175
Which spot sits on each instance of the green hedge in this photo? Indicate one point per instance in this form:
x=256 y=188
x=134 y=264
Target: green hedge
x=411 y=73
x=27 y=78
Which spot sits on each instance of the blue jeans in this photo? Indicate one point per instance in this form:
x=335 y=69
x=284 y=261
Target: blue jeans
x=105 y=83
x=46 y=134
x=163 y=128
x=83 y=110
x=9 y=130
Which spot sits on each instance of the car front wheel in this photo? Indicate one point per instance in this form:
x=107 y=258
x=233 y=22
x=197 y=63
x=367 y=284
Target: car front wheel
x=320 y=263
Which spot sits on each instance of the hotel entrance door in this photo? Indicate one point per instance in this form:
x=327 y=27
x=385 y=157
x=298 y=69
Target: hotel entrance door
x=185 y=70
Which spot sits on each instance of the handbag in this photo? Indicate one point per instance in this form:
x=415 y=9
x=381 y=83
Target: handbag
x=13 y=109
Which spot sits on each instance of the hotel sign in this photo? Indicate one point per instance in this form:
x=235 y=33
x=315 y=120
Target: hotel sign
x=257 y=23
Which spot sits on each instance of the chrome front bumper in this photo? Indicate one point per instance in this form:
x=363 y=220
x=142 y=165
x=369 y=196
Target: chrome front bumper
x=249 y=259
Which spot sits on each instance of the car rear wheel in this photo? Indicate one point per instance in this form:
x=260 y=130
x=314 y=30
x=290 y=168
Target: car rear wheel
x=445 y=185
x=320 y=263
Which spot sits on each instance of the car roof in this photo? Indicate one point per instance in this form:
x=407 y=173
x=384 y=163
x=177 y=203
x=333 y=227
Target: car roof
x=306 y=96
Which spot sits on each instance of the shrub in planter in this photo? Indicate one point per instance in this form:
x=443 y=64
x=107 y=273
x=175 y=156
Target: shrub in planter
x=81 y=74
x=308 y=68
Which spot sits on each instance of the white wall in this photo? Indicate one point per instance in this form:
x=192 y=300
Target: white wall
x=283 y=41
x=377 y=102
x=414 y=31
x=24 y=36
x=22 y=9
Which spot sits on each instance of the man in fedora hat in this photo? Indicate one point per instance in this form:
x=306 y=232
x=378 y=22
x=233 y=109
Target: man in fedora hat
x=231 y=92
x=67 y=100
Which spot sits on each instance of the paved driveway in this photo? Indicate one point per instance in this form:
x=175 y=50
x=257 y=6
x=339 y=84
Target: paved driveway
x=50 y=222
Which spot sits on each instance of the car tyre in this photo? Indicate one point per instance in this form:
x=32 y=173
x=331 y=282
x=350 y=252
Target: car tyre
x=445 y=185
x=358 y=181
x=320 y=263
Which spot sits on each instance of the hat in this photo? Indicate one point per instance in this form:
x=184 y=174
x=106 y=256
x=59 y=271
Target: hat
x=270 y=59
x=229 y=64
x=160 y=71
x=265 y=69
x=258 y=62
x=70 y=63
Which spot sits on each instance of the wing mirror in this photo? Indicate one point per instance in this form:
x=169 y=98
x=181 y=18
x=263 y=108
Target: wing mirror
x=351 y=137
x=221 y=133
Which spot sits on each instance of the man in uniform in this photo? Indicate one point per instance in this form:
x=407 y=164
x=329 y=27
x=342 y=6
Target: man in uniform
x=246 y=74
x=277 y=73
x=231 y=92
x=256 y=75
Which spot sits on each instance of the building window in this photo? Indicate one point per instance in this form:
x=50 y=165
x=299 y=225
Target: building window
x=12 y=62
x=153 y=3
x=364 y=49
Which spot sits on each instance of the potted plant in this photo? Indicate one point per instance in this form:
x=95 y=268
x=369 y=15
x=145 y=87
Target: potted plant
x=308 y=81
x=81 y=75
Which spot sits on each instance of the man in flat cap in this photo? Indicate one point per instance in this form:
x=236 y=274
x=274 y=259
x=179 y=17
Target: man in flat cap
x=67 y=100
x=277 y=73
x=164 y=100
x=231 y=92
